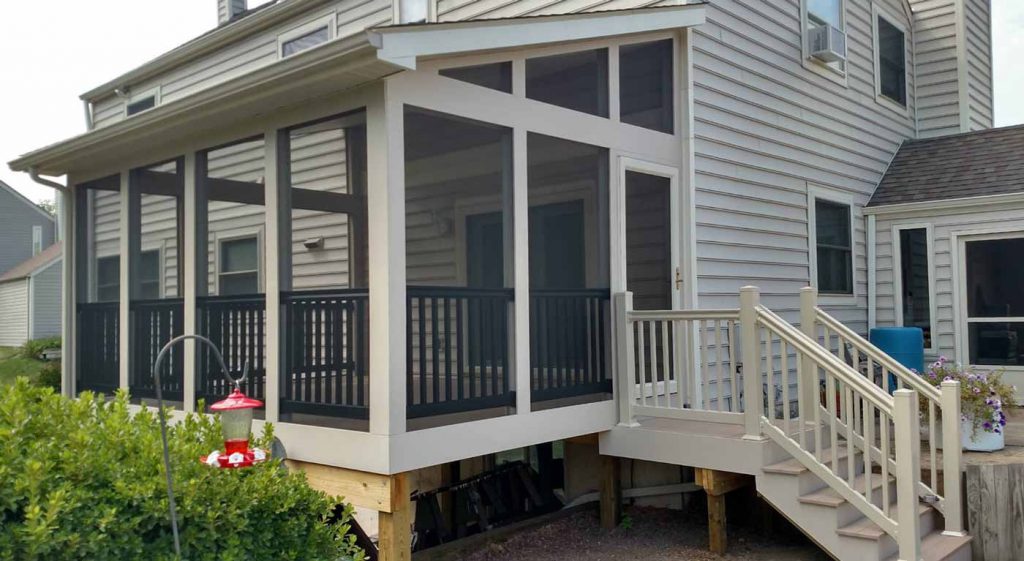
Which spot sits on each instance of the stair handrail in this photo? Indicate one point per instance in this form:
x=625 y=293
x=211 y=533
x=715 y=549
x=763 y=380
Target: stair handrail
x=945 y=400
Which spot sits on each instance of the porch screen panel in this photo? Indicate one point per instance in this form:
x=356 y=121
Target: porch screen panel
x=98 y=277
x=458 y=204
x=569 y=268
x=995 y=302
x=232 y=306
x=326 y=300
x=157 y=309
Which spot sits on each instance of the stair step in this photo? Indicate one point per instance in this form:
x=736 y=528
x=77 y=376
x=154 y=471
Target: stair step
x=795 y=467
x=938 y=547
x=830 y=497
x=864 y=528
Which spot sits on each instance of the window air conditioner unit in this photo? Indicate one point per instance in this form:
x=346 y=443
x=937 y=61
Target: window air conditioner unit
x=827 y=43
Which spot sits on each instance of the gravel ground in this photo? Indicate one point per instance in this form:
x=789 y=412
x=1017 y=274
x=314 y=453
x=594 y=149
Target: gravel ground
x=651 y=535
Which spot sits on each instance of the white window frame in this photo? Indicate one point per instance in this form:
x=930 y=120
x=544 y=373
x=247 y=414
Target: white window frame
x=235 y=236
x=958 y=244
x=96 y=276
x=880 y=12
x=330 y=21
x=897 y=278
x=837 y=75
x=813 y=194
x=136 y=97
x=37 y=240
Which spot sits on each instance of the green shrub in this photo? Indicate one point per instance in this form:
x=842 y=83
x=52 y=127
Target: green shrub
x=49 y=376
x=34 y=348
x=84 y=479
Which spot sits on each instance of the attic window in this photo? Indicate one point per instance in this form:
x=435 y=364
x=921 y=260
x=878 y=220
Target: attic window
x=141 y=103
x=306 y=37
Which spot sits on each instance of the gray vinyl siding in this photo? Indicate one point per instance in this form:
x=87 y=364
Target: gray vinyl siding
x=13 y=313
x=935 y=37
x=978 y=31
x=944 y=224
x=46 y=295
x=17 y=217
x=245 y=56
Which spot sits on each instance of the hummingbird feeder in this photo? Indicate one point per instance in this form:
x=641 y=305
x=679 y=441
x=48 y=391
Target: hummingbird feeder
x=236 y=422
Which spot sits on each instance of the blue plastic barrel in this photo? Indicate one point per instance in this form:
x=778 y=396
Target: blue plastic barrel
x=904 y=344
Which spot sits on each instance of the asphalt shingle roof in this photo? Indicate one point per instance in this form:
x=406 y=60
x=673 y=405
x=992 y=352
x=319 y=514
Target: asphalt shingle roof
x=33 y=264
x=974 y=164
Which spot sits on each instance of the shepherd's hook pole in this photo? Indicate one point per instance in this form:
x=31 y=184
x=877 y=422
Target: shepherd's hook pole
x=162 y=415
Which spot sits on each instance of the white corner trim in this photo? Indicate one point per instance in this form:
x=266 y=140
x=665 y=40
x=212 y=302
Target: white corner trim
x=404 y=45
x=897 y=277
x=330 y=21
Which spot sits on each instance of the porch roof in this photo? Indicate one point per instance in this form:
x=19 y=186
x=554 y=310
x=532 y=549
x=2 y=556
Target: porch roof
x=335 y=67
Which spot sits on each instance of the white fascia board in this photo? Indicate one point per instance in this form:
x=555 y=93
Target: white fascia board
x=403 y=45
x=994 y=202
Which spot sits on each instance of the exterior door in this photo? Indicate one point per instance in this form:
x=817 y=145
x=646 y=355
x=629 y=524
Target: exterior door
x=652 y=237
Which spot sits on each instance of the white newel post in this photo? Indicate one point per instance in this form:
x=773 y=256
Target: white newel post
x=908 y=470
x=753 y=407
x=808 y=369
x=624 y=359
x=951 y=458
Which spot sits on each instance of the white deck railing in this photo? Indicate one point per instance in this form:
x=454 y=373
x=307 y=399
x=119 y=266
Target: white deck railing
x=859 y=438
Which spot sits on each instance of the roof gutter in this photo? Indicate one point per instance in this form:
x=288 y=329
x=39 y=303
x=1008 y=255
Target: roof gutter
x=34 y=174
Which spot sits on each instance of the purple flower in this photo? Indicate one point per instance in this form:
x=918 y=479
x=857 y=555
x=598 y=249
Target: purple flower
x=987 y=425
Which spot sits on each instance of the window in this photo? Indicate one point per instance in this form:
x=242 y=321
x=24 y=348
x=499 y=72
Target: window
x=891 y=50
x=239 y=267
x=833 y=247
x=496 y=76
x=306 y=37
x=144 y=104
x=994 y=274
x=412 y=11
x=37 y=239
x=108 y=279
x=577 y=81
x=825 y=12
x=149 y=275
x=646 y=85
x=915 y=280
x=816 y=14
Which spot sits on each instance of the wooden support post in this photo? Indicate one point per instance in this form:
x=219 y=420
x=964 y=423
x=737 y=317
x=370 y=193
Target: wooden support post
x=395 y=533
x=611 y=492
x=716 y=484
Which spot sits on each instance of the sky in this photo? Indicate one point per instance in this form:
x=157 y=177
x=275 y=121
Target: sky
x=72 y=46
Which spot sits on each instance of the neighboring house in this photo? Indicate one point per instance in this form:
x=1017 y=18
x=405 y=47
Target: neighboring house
x=30 y=299
x=948 y=223
x=25 y=228
x=438 y=230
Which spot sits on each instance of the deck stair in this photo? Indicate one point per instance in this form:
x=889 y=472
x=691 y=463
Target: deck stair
x=830 y=444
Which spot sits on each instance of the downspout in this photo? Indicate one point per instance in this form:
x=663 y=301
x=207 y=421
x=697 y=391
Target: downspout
x=87 y=106
x=34 y=174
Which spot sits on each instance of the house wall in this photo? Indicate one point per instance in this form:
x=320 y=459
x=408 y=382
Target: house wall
x=245 y=56
x=17 y=217
x=944 y=223
x=46 y=300
x=14 y=311
x=978 y=42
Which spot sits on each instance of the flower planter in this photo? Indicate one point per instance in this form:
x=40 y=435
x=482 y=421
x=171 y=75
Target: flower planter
x=980 y=441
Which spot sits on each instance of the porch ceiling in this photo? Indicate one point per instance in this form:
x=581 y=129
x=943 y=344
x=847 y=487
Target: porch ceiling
x=330 y=69
x=405 y=44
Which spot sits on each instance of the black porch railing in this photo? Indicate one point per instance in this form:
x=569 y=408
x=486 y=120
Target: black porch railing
x=327 y=353
x=569 y=343
x=237 y=325
x=457 y=349
x=99 y=347
x=154 y=323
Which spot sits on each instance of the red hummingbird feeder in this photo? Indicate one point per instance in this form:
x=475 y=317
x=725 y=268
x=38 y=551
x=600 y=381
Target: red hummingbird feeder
x=236 y=421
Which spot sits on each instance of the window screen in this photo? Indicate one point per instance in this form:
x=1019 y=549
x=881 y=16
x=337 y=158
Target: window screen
x=144 y=104
x=892 y=68
x=646 y=85
x=496 y=76
x=108 y=278
x=826 y=12
x=834 y=247
x=149 y=273
x=577 y=81
x=309 y=40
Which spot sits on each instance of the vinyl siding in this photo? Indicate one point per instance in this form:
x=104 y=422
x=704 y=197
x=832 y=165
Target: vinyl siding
x=13 y=313
x=46 y=297
x=944 y=224
x=935 y=37
x=245 y=56
x=978 y=40
x=17 y=217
